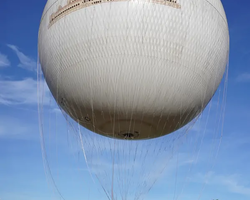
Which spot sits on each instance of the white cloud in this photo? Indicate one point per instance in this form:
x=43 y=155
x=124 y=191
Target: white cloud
x=17 y=92
x=4 y=61
x=245 y=77
x=25 y=61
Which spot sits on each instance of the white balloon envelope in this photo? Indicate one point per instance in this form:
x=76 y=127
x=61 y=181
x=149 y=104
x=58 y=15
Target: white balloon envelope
x=133 y=69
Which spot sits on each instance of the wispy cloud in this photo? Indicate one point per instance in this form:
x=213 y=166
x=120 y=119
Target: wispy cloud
x=14 y=127
x=25 y=61
x=233 y=183
x=17 y=92
x=4 y=61
x=244 y=77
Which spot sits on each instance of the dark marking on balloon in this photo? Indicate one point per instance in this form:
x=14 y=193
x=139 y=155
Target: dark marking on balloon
x=87 y=119
x=63 y=102
x=128 y=135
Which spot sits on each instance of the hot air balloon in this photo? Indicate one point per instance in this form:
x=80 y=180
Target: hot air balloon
x=132 y=70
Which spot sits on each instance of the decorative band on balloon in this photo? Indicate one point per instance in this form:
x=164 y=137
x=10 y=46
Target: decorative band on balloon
x=74 y=5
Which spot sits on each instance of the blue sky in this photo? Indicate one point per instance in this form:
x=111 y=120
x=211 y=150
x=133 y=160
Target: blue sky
x=22 y=174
